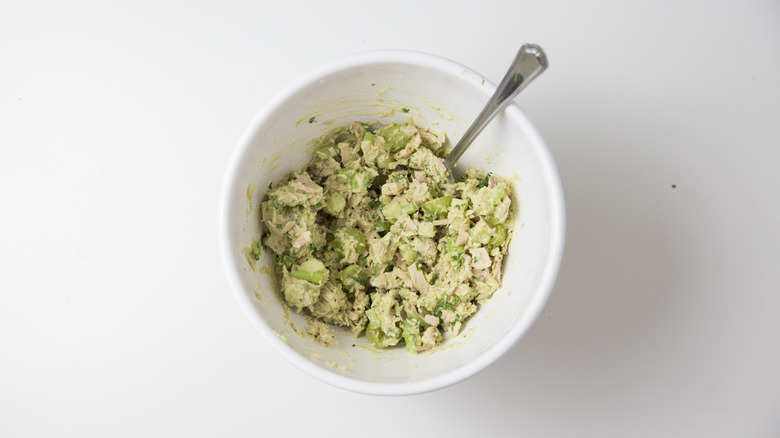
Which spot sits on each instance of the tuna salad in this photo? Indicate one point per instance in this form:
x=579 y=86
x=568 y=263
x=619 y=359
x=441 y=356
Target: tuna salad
x=372 y=236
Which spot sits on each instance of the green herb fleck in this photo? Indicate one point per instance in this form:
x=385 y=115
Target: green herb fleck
x=357 y=279
x=287 y=260
x=312 y=119
x=484 y=181
x=256 y=249
x=406 y=110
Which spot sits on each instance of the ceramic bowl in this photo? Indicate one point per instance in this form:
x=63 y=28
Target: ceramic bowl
x=383 y=87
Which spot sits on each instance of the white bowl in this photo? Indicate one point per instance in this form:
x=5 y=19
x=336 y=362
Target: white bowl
x=439 y=94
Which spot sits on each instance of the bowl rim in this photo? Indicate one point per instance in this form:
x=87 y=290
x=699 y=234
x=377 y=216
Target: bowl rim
x=504 y=344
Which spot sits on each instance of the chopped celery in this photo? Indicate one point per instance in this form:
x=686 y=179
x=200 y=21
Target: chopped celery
x=408 y=209
x=323 y=152
x=360 y=182
x=437 y=207
x=492 y=220
x=347 y=238
x=497 y=194
x=344 y=175
x=382 y=226
x=454 y=251
x=426 y=229
x=395 y=138
x=480 y=233
x=334 y=204
x=408 y=254
x=500 y=236
x=312 y=270
x=376 y=270
x=392 y=211
x=411 y=333
x=352 y=275
x=383 y=161
x=374 y=331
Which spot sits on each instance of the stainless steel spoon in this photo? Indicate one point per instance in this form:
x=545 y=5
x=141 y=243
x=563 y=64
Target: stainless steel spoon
x=529 y=63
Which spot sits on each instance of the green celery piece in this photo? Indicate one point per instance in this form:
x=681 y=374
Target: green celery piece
x=453 y=250
x=426 y=229
x=437 y=207
x=408 y=254
x=395 y=138
x=383 y=226
x=480 y=233
x=312 y=270
x=411 y=333
x=323 y=152
x=392 y=211
x=374 y=329
x=376 y=270
x=408 y=209
x=334 y=204
x=383 y=161
x=492 y=220
x=497 y=194
x=500 y=236
x=360 y=182
x=349 y=237
x=353 y=274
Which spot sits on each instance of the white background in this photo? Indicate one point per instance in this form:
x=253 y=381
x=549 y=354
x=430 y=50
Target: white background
x=117 y=121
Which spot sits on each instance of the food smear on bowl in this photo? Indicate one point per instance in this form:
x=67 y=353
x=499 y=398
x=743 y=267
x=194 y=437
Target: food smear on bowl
x=373 y=236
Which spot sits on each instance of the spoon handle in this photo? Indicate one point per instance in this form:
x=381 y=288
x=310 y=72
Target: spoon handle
x=528 y=64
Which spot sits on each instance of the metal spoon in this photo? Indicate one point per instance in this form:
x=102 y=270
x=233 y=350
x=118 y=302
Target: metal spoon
x=529 y=63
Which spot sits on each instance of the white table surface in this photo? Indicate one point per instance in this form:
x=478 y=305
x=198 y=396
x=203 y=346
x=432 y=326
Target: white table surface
x=116 y=125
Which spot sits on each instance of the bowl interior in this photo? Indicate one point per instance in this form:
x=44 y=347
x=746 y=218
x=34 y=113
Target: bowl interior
x=440 y=95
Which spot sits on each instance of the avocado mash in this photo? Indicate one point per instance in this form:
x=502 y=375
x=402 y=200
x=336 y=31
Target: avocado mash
x=371 y=235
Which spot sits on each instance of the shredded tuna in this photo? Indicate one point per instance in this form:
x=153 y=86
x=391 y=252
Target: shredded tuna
x=372 y=236
x=480 y=259
x=303 y=239
x=287 y=227
x=432 y=320
x=418 y=279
